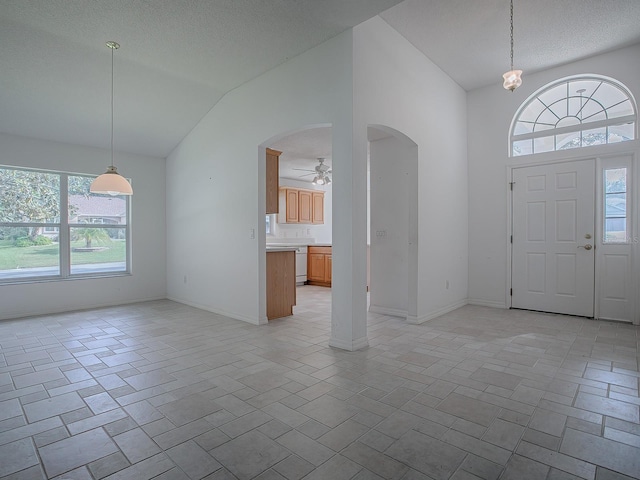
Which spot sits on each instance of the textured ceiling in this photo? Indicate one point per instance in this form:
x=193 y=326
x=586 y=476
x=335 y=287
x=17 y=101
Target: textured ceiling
x=469 y=40
x=179 y=57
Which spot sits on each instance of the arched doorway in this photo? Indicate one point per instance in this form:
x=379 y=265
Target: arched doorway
x=300 y=149
x=393 y=229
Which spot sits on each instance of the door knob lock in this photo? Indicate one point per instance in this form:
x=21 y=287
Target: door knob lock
x=586 y=247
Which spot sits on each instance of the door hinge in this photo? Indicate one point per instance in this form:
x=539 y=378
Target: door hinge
x=511 y=292
x=511 y=184
x=511 y=238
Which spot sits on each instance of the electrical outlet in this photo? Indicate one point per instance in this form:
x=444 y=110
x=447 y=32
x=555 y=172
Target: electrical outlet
x=252 y=233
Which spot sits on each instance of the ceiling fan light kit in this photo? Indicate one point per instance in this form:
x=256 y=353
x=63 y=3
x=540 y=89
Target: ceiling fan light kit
x=322 y=173
x=111 y=182
x=323 y=179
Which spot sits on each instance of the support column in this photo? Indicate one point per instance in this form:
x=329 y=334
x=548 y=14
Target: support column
x=349 y=253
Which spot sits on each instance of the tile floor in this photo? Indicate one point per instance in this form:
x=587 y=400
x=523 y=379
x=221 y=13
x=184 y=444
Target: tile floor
x=162 y=390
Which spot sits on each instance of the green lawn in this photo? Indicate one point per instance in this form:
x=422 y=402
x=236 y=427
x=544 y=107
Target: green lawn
x=12 y=257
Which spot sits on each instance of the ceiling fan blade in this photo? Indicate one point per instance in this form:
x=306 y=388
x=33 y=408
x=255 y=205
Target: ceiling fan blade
x=304 y=170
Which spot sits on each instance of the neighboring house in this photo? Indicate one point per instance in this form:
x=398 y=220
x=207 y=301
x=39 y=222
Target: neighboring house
x=93 y=209
x=98 y=209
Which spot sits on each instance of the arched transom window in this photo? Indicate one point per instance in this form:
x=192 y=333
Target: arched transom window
x=573 y=113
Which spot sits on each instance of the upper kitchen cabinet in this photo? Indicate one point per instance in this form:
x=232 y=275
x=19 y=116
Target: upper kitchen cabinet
x=317 y=210
x=290 y=196
x=301 y=206
x=305 y=214
x=273 y=175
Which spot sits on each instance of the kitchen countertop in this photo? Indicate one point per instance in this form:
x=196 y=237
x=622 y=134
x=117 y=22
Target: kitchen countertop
x=280 y=248
x=294 y=246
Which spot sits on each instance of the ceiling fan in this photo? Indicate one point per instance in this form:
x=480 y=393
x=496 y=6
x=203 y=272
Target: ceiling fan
x=321 y=171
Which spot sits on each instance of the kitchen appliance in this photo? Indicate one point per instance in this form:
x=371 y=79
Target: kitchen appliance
x=301 y=264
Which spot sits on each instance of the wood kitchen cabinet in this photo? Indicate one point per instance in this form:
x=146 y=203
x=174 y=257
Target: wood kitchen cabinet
x=304 y=206
x=301 y=206
x=273 y=176
x=319 y=266
x=317 y=211
x=281 y=283
x=291 y=205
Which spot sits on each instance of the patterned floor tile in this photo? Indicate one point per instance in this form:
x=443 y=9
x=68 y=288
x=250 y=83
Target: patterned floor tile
x=167 y=391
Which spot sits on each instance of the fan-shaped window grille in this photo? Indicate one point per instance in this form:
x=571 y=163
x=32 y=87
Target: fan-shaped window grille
x=574 y=113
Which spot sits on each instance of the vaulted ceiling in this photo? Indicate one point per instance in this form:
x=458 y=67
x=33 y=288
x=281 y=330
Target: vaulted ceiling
x=179 y=57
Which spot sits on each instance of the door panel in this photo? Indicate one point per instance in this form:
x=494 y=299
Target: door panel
x=304 y=206
x=553 y=212
x=318 y=207
x=316 y=269
x=292 y=206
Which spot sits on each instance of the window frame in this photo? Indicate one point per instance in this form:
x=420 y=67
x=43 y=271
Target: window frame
x=580 y=127
x=64 y=227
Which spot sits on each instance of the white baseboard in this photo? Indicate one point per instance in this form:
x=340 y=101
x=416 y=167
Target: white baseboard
x=436 y=313
x=77 y=308
x=233 y=316
x=349 y=346
x=394 y=312
x=486 y=303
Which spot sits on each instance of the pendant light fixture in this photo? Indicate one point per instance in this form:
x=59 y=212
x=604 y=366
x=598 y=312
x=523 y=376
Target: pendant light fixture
x=111 y=182
x=512 y=79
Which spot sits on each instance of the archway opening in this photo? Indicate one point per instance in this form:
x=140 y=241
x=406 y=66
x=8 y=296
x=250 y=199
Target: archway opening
x=293 y=226
x=393 y=222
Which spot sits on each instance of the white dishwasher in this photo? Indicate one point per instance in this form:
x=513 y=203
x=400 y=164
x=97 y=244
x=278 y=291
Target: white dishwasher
x=301 y=264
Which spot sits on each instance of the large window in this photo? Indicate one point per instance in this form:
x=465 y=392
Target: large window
x=574 y=113
x=51 y=227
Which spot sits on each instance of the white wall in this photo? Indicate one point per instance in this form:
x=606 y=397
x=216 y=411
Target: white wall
x=215 y=186
x=490 y=111
x=397 y=86
x=147 y=280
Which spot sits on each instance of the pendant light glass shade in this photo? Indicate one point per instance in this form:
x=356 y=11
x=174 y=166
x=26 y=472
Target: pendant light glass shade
x=111 y=182
x=512 y=79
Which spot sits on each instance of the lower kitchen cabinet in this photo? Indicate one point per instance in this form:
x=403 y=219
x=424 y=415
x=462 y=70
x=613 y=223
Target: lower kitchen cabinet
x=281 y=283
x=319 y=266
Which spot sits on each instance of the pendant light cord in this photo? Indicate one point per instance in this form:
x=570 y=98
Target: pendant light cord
x=113 y=46
x=112 y=49
x=511 y=35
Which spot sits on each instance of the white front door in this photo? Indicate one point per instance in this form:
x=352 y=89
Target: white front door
x=553 y=238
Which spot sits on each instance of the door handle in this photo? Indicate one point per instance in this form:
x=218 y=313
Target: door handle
x=586 y=247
